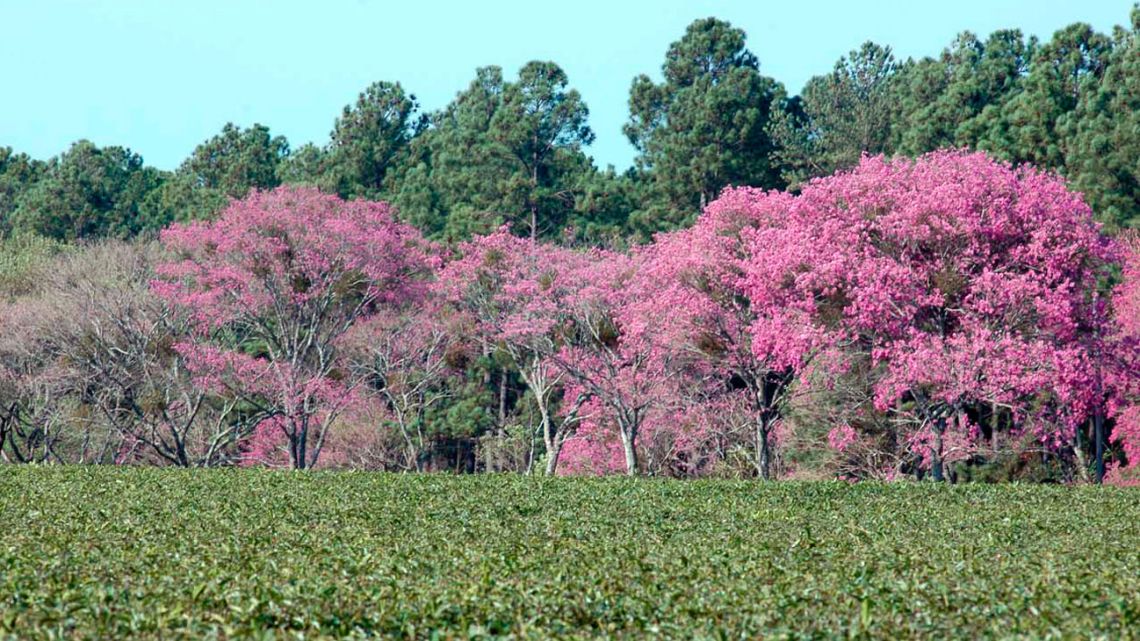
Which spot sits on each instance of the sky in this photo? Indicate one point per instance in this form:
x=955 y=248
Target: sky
x=160 y=76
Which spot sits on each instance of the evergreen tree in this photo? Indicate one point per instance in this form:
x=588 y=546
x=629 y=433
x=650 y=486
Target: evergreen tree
x=941 y=101
x=1103 y=135
x=1028 y=125
x=602 y=208
x=538 y=120
x=500 y=153
x=18 y=172
x=705 y=126
x=306 y=165
x=451 y=186
x=237 y=160
x=227 y=166
x=370 y=137
x=838 y=117
x=88 y=192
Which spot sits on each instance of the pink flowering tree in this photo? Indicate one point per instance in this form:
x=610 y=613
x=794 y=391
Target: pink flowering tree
x=406 y=359
x=284 y=274
x=723 y=338
x=1124 y=348
x=516 y=292
x=610 y=356
x=967 y=283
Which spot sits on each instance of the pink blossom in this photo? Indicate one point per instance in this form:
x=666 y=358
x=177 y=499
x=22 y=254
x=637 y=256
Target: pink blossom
x=272 y=285
x=841 y=437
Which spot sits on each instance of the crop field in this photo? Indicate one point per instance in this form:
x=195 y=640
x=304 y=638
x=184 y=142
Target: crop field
x=151 y=553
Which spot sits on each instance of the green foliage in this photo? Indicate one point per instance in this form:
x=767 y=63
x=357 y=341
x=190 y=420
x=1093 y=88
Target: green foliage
x=18 y=172
x=943 y=101
x=705 y=127
x=455 y=184
x=501 y=153
x=226 y=166
x=838 y=117
x=88 y=192
x=306 y=165
x=1027 y=127
x=371 y=137
x=180 y=199
x=150 y=553
x=237 y=160
x=541 y=126
x=1067 y=104
x=467 y=414
x=514 y=152
x=1103 y=135
x=602 y=208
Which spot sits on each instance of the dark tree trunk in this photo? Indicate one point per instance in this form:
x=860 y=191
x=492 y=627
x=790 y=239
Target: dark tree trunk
x=503 y=402
x=533 y=197
x=1098 y=434
x=994 y=424
x=299 y=450
x=767 y=392
x=936 y=451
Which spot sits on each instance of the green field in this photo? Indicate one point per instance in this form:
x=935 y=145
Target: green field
x=115 y=553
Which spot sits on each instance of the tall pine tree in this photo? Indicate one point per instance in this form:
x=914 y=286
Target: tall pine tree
x=704 y=127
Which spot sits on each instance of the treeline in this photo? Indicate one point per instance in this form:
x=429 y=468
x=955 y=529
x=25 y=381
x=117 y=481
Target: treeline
x=945 y=317
x=513 y=151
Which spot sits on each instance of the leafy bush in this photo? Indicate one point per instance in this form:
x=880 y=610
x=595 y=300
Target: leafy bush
x=152 y=553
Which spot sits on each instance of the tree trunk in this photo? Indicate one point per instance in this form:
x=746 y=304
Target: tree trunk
x=502 y=402
x=1079 y=454
x=936 y=452
x=533 y=194
x=553 y=451
x=994 y=424
x=180 y=452
x=551 y=440
x=530 y=456
x=763 y=450
x=501 y=430
x=299 y=453
x=1098 y=434
x=629 y=444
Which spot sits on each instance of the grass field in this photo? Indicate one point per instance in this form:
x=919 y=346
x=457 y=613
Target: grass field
x=115 y=553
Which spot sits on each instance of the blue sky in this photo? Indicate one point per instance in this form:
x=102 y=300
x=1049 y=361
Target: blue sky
x=160 y=77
